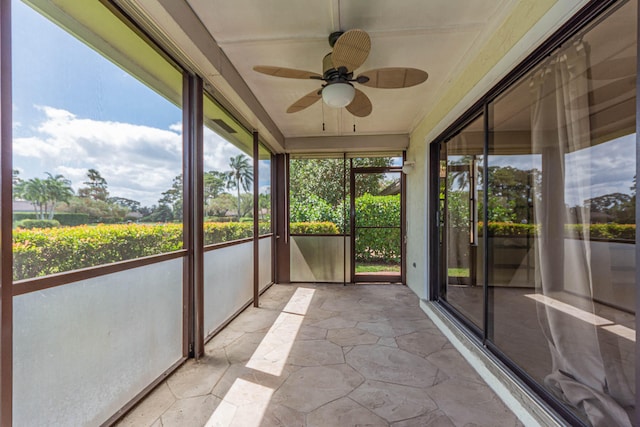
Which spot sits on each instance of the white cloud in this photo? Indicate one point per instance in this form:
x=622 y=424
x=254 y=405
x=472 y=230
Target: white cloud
x=217 y=151
x=600 y=169
x=138 y=162
x=265 y=189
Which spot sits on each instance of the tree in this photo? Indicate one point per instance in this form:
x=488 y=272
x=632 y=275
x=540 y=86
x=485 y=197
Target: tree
x=315 y=209
x=44 y=194
x=246 y=205
x=220 y=205
x=214 y=183
x=326 y=178
x=132 y=205
x=614 y=207
x=15 y=177
x=96 y=186
x=264 y=204
x=161 y=213
x=240 y=176
x=99 y=211
x=32 y=190
x=58 y=189
x=173 y=198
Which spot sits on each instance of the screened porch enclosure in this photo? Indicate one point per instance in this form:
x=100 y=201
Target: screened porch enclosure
x=178 y=248
x=345 y=218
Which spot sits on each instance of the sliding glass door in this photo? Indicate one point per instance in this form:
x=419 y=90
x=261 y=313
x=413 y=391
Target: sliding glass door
x=537 y=222
x=461 y=165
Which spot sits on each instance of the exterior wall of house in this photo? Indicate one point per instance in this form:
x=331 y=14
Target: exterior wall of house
x=528 y=24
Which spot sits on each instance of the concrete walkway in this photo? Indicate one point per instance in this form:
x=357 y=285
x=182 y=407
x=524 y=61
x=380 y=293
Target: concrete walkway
x=326 y=355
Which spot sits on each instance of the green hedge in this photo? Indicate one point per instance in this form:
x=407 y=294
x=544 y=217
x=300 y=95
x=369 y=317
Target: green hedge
x=65 y=218
x=218 y=232
x=509 y=229
x=378 y=245
x=313 y=209
x=40 y=252
x=313 y=228
x=596 y=231
x=43 y=251
x=606 y=231
x=38 y=223
x=376 y=211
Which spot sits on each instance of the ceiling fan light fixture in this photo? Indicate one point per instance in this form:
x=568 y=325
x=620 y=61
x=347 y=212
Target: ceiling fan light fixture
x=338 y=95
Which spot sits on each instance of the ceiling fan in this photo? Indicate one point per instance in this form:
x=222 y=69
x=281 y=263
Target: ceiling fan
x=350 y=50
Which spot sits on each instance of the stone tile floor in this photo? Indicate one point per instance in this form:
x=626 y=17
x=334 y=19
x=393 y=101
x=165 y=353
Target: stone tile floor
x=326 y=355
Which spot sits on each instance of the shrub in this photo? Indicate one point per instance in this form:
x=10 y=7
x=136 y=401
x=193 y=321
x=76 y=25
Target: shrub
x=596 y=231
x=315 y=209
x=313 y=228
x=264 y=227
x=219 y=232
x=605 y=231
x=65 y=218
x=37 y=223
x=509 y=229
x=373 y=211
x=218 y=219
x=378 y=244
x=41 y=252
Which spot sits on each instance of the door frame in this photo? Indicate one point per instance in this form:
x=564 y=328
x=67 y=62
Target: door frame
x=371 y=278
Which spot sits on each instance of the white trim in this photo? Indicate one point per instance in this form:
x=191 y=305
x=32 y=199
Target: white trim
x=555 y=17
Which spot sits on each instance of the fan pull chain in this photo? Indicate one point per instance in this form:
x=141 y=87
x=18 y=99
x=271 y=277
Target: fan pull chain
x=323 y=117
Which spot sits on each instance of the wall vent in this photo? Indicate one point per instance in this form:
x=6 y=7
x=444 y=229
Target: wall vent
x=224 y=126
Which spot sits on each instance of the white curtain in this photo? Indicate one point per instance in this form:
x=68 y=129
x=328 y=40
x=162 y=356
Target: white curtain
x=582 y=374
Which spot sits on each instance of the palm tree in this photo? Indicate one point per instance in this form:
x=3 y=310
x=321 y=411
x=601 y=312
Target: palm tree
x=240 y=175
x=34 y=191
x=58 y=189
x=44 y=194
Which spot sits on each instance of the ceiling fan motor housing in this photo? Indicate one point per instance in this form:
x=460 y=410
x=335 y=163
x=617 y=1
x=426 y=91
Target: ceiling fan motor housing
x=333 y=37
x=327 y=63
x=330 y=74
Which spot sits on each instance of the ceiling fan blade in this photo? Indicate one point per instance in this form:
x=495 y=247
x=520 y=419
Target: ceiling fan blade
x=394 y=78
x=361 y=105
x=304 y=102
x=290 y=73
x=351 y=49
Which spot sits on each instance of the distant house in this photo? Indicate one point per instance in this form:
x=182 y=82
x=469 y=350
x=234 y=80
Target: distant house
x=22 y=206
x=134 y=215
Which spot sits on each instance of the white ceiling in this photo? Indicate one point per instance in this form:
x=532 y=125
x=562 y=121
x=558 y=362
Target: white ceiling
x=438 y=36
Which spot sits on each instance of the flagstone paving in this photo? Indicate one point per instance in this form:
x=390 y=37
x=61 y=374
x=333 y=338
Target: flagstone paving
x=326 y=355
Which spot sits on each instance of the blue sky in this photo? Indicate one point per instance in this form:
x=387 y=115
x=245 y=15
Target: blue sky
x=74 y=110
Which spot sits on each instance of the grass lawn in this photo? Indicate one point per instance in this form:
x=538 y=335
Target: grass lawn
x=376 y=268
x=458 y=272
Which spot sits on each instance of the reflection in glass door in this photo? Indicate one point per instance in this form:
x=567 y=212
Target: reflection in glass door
x=461 y=164
x=376 y=225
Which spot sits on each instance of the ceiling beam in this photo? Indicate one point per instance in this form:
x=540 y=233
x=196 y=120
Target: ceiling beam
x=211 y=62
x=335 y=15
x=346 y=144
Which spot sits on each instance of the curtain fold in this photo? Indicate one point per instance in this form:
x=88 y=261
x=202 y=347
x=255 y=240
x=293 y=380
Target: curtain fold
x=582 y=373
